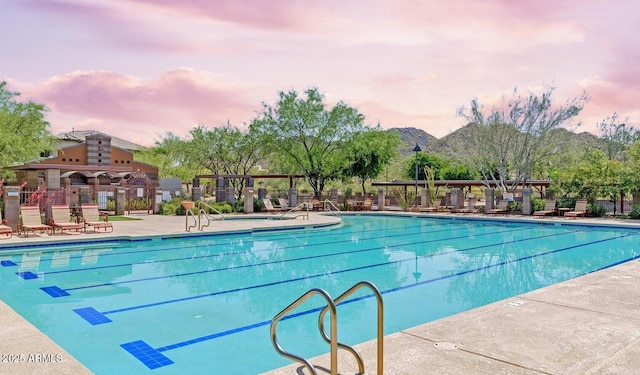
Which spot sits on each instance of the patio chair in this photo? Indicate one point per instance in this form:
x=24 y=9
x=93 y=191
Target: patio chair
x=61 y=219
x=283 y=203
x=367 y=204
x=469 y=209
x=5 y=228
x=579 y=210
x=549 y=209
x=502 y=208
x=32 y=221
x=91 y=218
x=268 y=205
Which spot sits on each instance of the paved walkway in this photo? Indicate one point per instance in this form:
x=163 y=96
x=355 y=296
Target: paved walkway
x=588 y=325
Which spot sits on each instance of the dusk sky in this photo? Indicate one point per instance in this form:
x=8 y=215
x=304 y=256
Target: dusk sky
x=136 y=69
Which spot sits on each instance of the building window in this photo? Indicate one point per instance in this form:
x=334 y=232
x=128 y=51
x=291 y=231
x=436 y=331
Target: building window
x=77 y=160
x=63 y=159
x=128 y=161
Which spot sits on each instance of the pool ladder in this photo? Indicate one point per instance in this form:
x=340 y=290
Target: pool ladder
x=332 y=338
x=201 y=212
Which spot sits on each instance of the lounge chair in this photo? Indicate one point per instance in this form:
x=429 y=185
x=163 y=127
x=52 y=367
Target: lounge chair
x=579 y=210
x=283 y=203
x=428 y=209
x=502 y=208
x=32 y=221
x=367 y=204
x=91 y=218
x=61 y=219
x=549 y=209
x=469 y=209
x=5 y=228
x=269 y=206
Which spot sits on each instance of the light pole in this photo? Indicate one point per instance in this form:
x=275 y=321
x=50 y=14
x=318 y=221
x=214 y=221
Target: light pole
x=416 y=150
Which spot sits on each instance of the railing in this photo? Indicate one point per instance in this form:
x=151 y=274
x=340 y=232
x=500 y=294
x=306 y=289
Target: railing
x=202 y=211
x=297 y=208
x=189 y=213
x=332 y=339
x=331 y=205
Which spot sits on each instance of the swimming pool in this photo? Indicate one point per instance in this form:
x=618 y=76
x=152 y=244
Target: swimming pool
x=204 y=304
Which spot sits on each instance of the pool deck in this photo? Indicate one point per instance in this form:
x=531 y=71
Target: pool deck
x=587 y=325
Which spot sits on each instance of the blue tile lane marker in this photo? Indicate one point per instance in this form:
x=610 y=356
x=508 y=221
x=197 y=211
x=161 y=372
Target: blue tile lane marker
x=152 y=357
x=27 y=275
x=7 y=263
x=303 y=258
x=92 y=316
x=54 y=291
x=149 y=356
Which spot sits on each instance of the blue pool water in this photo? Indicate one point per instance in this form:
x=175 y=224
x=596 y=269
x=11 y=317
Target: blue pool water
x=204 y=304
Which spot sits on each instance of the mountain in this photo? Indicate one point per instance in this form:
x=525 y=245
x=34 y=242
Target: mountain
x=412 y=136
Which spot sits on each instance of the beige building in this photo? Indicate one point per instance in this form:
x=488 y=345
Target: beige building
x=85 y=158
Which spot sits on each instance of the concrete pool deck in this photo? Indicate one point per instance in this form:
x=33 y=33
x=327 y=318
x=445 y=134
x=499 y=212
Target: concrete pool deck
x=587 y=325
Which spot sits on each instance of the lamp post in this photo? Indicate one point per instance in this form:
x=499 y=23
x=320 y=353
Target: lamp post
x=416 y=150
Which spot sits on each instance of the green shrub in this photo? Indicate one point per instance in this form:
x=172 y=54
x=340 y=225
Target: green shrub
x=169 y=208
x=596 y=210
x=515 y=206
x=537 y=204
x=635 y=211
x=566 y=202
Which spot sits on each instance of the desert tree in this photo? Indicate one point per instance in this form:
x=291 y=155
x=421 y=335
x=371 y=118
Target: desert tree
x=24 y=132
x=308 y=135
x=369 y=152
x=509 y=139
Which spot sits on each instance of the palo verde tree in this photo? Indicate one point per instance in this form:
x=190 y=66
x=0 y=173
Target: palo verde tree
x=368 y=153
x=24 y=131
x=618 y=137
x=309 y=135
x=226 y=150
x=170 y=155
x=508 y=140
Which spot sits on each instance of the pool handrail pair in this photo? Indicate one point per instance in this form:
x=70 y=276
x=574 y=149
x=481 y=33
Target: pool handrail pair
x=332 y=339
x=305 y=208
x=201 y=211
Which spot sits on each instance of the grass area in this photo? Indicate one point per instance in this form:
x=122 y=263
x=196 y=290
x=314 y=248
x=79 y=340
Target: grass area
x=122 y=218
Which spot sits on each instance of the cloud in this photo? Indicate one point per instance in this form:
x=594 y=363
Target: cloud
x=176 y=101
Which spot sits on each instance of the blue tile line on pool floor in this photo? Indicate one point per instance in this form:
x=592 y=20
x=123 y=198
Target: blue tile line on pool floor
x=223 y=254
x=301 y=278
x=156 y=353
x=46 y=289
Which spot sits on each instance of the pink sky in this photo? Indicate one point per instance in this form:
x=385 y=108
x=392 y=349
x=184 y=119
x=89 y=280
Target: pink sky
x=137 y=69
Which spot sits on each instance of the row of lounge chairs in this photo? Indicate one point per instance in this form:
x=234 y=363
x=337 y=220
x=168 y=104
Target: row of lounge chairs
x=550 y=209
x=502 y=208
x=31 y=221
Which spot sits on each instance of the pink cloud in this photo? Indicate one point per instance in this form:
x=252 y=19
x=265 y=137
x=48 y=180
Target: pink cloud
x=176 y=101
x=274 y=14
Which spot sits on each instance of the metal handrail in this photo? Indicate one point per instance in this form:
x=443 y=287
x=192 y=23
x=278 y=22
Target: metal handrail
x=304 y=205
x=348 y=348
x=332 y=205
x=195 y=222
x=201 y=203
x=334 y=331
x=202 y=211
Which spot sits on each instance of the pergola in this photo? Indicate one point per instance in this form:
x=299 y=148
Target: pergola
x=540 y=185
x=252 y=176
